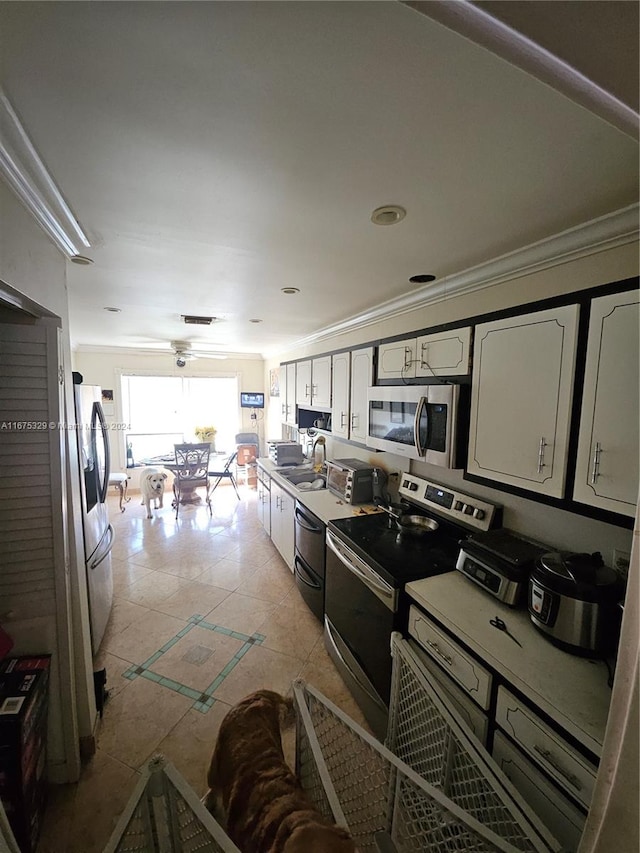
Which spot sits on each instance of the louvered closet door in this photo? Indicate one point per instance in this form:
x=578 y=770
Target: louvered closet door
x=30 y=484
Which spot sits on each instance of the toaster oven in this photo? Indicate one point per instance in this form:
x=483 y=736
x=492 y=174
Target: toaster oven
x=351 y=480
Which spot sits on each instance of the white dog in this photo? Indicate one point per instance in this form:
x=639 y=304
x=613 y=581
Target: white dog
x=152 y=488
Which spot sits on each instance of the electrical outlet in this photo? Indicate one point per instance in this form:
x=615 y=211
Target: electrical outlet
x=621 y=561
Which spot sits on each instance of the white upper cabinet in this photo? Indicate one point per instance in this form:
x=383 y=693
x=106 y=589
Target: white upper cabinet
x=397 y=360
x=437 y=354
x=444 y=353
x=607 y=462
x=313 y=383
x=352 y=376
x=288 y=392
x=361 y=379
x=341 y=382
x=523 y=370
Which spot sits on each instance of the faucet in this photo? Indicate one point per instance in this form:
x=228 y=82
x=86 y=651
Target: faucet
x=319 y=445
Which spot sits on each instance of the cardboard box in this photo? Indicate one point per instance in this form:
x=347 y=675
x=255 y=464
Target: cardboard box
x=23 y=737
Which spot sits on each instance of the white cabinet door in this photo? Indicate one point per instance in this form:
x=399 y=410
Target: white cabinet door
x=321 y=382
x=282 y=523
x=264 y=501
x=282 y=378
x=290 y=386
x=397 y=360
x=444 y=353
x=340 y=394
x=361 y=379
x=303 y=383
x=607 y=464
x=521 y=399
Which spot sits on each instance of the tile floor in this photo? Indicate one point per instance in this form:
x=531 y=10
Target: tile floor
x=205 y=612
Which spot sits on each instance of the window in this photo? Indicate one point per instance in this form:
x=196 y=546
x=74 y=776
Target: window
x=165 y=410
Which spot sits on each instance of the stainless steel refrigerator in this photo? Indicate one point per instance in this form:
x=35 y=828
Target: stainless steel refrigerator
x=93 y=450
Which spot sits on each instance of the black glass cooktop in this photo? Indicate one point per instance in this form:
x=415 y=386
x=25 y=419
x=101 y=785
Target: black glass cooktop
x=399 y=559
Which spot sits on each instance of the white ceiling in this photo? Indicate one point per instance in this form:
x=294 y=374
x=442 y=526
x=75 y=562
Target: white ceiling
x=216 y=152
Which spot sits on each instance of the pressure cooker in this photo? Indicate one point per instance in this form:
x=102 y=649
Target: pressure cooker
x=573 y=599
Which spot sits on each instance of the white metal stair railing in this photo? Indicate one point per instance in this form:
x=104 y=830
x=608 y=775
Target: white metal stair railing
x=431 y=738
x=387 y=806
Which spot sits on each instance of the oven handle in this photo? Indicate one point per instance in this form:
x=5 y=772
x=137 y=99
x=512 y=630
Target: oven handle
x=420 y=408
x=302 y=573
x=301 y=518
x=378 y=588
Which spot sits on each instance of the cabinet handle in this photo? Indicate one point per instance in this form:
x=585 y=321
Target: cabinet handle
x=306 y=390
x=424 y=362
x=595 y=472
x=284 y=410
x=543 y=444
x=436 y=648
x=354 y=417
x=555 y=763
x=407 y=358
x=277 y=501
x=343 y=418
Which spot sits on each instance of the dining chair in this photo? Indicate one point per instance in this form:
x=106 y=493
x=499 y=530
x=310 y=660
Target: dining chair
x=191 y=472
x=225 y=473
x=246 y=463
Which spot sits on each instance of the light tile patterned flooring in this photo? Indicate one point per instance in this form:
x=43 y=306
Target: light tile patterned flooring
x=205 y=612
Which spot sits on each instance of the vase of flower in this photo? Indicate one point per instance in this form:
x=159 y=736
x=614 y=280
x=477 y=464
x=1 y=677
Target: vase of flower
x=207 y=435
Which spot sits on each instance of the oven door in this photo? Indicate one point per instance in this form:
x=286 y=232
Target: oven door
x=360 y=612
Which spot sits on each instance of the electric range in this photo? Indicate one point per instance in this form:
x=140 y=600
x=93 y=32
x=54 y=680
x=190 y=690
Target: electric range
x=368 y=563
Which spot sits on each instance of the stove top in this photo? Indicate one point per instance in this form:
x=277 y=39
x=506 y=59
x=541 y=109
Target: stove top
x=403 y=558
x=398 y=559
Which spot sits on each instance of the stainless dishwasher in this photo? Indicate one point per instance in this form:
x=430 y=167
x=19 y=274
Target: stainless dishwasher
x=309 y=560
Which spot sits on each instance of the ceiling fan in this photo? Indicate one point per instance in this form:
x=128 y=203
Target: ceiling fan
x=183 y=353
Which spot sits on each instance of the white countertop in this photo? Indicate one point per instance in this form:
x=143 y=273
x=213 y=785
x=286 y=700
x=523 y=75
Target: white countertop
x=572 y=690
x=322 y=503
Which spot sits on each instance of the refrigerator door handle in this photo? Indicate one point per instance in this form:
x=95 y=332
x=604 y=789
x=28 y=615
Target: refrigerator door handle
x=98 y=416
x=110 y=533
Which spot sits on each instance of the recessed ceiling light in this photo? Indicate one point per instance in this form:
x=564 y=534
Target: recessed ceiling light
x=423 y=278
x=114 y=310
x=389 y=214
x=290 y=290
x=81 y=260
x=255 y=321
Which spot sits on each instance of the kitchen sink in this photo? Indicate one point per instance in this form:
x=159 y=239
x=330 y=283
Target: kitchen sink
x=304 y=479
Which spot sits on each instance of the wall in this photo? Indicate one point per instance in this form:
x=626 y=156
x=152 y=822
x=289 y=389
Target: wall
x=105 y=368
x=30 y=264
x=551 y=526
x=613 y=820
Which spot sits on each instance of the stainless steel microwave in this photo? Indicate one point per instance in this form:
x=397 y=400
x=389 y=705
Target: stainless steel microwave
x=416 y=421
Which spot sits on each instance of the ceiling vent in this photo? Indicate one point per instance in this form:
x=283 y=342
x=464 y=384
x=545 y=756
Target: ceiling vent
x=194 y=320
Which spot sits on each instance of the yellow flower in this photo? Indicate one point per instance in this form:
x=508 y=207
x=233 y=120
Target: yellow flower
x=205 y=433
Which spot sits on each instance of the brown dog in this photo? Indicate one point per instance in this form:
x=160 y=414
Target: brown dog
x=265 y=807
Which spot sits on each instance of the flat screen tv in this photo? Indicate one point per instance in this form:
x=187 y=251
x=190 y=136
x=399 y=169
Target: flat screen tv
x=251 y=400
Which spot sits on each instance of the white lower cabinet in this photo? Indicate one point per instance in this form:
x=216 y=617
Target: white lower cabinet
x=264 y=500
x=472 y=716
x=282 y=522
x=559 y=815
x=546 y=747
x=457 y=663
x=607 y=464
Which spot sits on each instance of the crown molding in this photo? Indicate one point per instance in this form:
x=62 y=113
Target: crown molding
x=473 y=23
x=606 y=232
x=26 y=174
